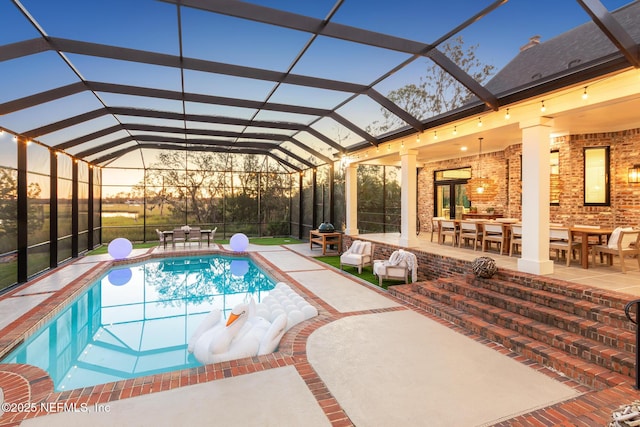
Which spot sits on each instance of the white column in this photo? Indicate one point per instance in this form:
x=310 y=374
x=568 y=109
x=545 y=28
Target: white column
x=408 y=198
x=535 y=196
x=351 y=199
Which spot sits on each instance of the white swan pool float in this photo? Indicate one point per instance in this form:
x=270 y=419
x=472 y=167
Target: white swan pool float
x=252 y=329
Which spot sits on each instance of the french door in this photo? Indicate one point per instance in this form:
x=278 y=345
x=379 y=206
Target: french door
x=451 y=199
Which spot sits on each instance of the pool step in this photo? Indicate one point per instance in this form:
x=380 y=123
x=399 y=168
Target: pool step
x=552 y=329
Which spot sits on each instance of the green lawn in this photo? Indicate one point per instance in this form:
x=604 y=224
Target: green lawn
x=256 y=241
x=367 y=272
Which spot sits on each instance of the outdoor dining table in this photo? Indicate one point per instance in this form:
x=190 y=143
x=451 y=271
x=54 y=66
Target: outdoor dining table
x=169 y=233
x=583 y=233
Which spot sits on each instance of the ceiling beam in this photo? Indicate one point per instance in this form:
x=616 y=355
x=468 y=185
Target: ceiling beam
x=126 y=150
x=295 y=21
x=65 y=123
x=41 y=98
x=156 y=114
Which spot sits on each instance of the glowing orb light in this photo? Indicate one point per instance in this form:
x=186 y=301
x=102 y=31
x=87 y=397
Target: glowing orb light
x=239 y=267
x=120 y=248
x=239 y=242
x=119 y=276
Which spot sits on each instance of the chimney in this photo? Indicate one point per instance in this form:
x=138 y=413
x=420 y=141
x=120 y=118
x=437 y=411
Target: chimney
x=533 y=41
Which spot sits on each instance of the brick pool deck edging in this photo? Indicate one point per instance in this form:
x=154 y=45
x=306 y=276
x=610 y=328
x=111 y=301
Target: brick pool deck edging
x=28 y=384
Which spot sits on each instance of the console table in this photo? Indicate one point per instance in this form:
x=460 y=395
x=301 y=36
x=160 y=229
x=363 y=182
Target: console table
x=325 y=239
x=481 y=216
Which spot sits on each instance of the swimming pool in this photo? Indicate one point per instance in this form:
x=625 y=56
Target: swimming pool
x=136 y=319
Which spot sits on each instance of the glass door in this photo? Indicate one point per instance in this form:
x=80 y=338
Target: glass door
x=451 y=193
x=462 y=204
x=445 y=194
x=443 y=201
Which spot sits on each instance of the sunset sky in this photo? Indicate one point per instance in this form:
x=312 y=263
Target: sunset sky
x=153 y=25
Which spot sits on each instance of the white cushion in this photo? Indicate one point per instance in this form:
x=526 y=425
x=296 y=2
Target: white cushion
x=355 y=247
x=365 y=248
x=349 y=258
x=615 y=236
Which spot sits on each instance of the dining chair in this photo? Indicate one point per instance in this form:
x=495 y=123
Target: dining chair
x=494 y=232
x=164 y=238
x=448 y=228
x=195 y=235
x=515 y=238
x=560 y=240
x=623 y=242
x=179 y=235
x=470 y=231
x=435 y=227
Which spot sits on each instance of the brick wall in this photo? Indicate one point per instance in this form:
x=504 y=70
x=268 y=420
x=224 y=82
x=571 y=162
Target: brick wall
x=433 y=266
x=504 y=168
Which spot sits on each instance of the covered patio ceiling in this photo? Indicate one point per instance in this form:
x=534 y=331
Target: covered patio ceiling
x=301 y=82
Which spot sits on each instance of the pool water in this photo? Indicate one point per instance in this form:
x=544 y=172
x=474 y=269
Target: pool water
x=136 y=320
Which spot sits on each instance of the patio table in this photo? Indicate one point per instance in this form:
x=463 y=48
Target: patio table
x=325 y=239
x=583 y=233
x=169 y=233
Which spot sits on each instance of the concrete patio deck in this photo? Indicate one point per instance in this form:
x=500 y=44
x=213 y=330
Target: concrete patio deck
x=368 y=360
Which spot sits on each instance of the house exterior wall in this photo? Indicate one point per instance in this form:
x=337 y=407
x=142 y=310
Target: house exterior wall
x=504 y=167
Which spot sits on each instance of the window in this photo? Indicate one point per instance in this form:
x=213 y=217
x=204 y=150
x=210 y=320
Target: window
x=596 y=176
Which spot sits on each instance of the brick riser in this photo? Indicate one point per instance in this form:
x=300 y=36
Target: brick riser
x=619 y=370
x=544 y=312
x=536 y=325
x=571 y=303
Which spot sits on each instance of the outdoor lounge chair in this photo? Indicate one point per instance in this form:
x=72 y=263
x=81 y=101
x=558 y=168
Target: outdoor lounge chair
x=397 y=267
x=359 y=254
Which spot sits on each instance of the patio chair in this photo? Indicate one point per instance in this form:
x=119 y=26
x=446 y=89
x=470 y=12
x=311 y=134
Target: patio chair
x=515 y=238
x=494 y=232
x=470 y=231
x=623 y=242
x=164 y=238
x=397 y=267
x=359 y=254
x=435 y=227
x=448 y=228
x=560 y=239
x=195 y=235
x=179 y=235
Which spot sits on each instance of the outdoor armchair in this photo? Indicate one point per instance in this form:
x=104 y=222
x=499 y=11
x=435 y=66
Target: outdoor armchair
x=397 y=267
x=359 y=254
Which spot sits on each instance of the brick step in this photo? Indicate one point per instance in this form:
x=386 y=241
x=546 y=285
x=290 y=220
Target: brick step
x=608 y=335
x=555 y=286
x=576 y=368
x=615 y=359
x=569 y=304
